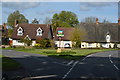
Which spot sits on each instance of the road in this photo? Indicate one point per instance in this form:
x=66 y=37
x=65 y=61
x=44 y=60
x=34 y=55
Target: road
x=97 y=66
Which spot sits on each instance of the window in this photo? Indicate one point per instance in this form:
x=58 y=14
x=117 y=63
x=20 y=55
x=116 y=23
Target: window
x=108 y=37
x=89 y=44
x=20 y=31
x=39 y=32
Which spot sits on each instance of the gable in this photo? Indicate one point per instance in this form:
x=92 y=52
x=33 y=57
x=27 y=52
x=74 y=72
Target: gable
x=31 y=31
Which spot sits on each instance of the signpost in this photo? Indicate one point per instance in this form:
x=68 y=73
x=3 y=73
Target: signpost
x=60 y=36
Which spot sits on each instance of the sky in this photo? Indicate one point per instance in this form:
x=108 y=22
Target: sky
x=43 y=10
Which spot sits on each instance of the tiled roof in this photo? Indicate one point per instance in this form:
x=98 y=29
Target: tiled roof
x=30 y=30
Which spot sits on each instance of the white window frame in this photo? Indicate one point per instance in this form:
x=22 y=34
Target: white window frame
x=27 y=37
x=20 y=32
x=39 y=33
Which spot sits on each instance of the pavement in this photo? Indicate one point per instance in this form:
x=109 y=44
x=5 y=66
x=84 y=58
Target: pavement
x=97 y=66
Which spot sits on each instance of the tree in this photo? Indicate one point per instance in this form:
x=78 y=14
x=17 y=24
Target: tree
x=90 y=19
x=64 y=19
x=16 y=16
x=35 y=21
x=77 y=36
x=10 y=31
x=27 y=41
x=105 y=21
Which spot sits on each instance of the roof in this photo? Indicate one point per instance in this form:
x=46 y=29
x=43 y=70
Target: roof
x=66 y=32
x=95 y=32
x=31 y=31
x=98 y=32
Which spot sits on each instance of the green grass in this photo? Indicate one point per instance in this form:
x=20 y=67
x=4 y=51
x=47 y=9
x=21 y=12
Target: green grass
x=9 y=64
x=74 y=54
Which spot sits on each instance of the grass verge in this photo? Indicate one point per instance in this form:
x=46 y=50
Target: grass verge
x=72 y=54
x=9 y=64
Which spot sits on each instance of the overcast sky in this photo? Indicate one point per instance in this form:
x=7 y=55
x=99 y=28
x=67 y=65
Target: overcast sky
x=41 y=10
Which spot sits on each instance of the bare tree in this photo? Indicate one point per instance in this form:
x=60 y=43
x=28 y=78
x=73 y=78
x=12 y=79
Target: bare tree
x=90 y=19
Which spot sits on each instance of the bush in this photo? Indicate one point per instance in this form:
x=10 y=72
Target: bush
x=5 y=41
x=45 y=43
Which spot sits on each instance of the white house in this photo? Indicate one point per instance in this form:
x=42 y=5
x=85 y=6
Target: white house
x=33 y=32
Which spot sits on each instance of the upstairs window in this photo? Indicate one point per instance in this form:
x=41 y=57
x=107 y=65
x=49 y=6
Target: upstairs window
x=108 y=37
x=39 y=32
x=20 y=31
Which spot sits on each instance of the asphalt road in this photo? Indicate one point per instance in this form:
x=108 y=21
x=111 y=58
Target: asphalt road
x=98 y=66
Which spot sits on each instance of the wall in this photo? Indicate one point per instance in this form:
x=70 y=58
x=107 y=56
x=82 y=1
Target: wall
x=89 y=45
x=118 y=45
x=62 y=43
x=33 y=43
x=17 y=43
x=97 y=45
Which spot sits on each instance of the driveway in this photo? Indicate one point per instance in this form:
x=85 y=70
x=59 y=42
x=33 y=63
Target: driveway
x=100 y=66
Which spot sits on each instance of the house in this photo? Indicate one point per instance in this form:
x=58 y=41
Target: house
x=62 y=37
x=105 y=35
x=34 y=32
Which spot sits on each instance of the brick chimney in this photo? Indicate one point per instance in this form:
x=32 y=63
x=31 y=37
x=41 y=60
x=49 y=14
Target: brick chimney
x=4 y=26
x=118 y=21
x=16 y=23
x=97 y=21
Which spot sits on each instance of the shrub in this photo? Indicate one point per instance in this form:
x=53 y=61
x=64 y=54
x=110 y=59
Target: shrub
x=45 y=43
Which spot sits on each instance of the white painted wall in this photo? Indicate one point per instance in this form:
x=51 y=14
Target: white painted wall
x=106 y=45
x=83 y=45
x=33 y=43
x=118 y=45
x=62 y=43
x=112 y=45
x=17 y=43
x=89 y=45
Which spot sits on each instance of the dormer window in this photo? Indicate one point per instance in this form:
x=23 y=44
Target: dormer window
x=108 y=37
x=39 y=32
x=20 y=31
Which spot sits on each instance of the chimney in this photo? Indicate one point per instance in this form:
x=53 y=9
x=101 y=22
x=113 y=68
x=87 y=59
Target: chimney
x=97 y=21
x=118 y=21
x=16 y=23
x=4 y=26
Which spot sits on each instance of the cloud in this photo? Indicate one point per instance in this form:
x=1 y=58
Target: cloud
x=20 y=5
x=84 y=8
x=89 y=5
x=46 y=12
x=98 y=4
